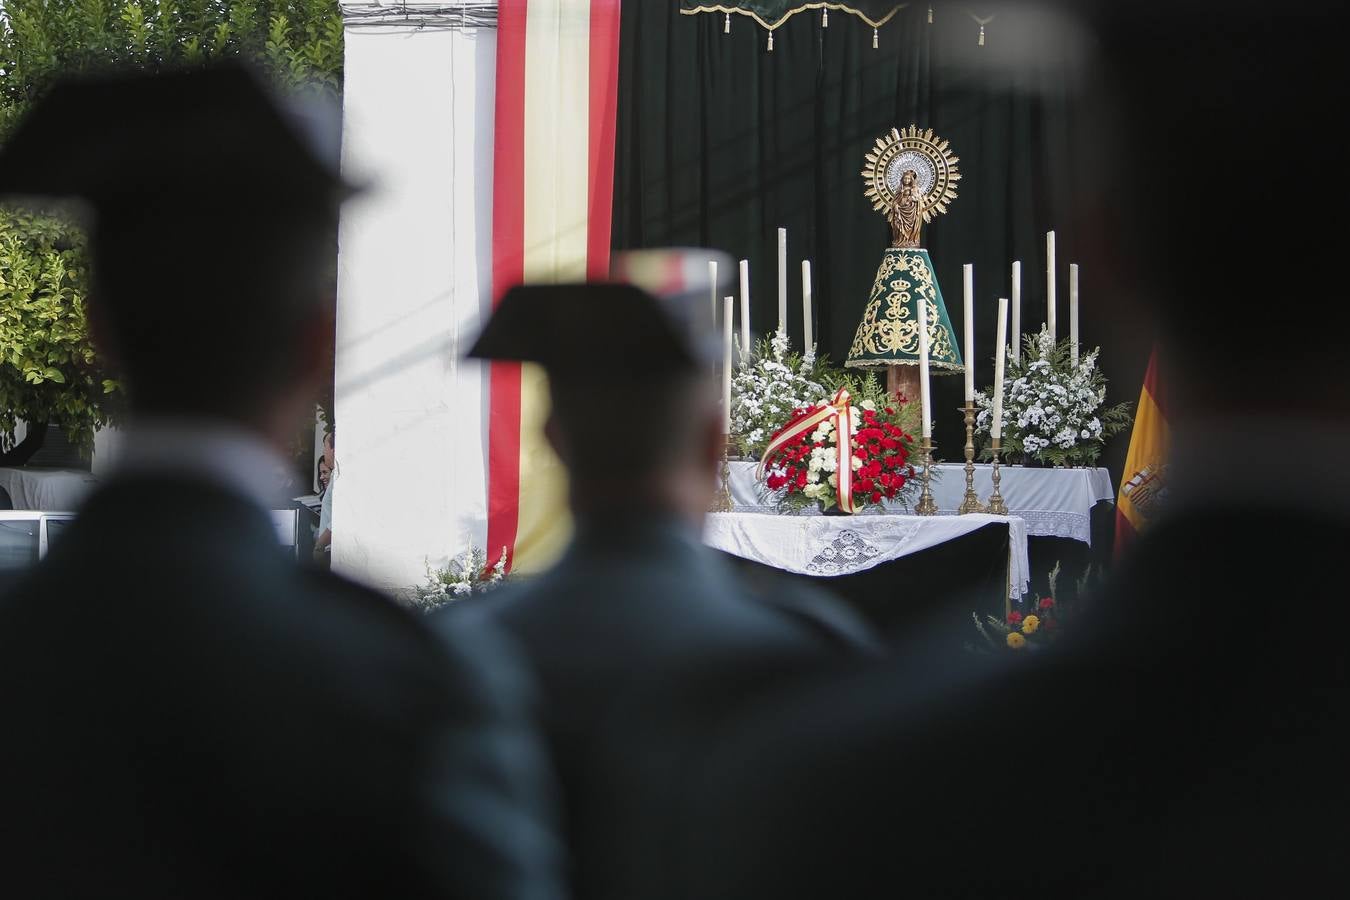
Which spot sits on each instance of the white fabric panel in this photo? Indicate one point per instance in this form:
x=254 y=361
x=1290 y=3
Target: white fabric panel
x=1053 y=502
x=828 y=546
x=48 y=490
x=413 y=284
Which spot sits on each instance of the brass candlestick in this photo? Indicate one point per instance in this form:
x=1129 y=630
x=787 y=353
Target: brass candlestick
x=996 y=505
x=970 y=503
x=926 y=506
x=722 y=499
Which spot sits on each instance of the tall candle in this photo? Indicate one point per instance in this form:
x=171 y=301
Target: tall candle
x=726 y=365
x=745 y=286
x=925 y=402
x=712 y=290
x=996 y=429
x=1017 y=311
x=1050 y=283
x=782 y=281
x=968 y=278
x=1073 y=313
x=808 y=332
x=745 y=326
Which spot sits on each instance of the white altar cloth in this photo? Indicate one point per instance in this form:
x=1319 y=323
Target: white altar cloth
x=827 y=546
x=48 y=490
x=1052 y=502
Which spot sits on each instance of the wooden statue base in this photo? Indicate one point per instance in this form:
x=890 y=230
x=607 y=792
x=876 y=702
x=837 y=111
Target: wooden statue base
x=903 y=380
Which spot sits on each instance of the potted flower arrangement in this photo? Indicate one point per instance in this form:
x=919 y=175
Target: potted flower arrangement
x=811 y=461
x=465 y=575
x=1054 y=413
x=1039 y=623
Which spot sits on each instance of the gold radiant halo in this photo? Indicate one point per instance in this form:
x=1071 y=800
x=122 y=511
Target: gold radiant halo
x=922 y=151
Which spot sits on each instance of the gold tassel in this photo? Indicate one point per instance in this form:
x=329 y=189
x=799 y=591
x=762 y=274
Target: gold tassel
x=726 y=29
x=930 y=14
x=874 y=39
x=770 y=41
x=981 y=35
x=825 y=18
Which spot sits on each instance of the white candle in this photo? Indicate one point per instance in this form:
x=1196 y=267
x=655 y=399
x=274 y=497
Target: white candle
x=925 y=402
x=1073 y=313
x=1050 y=283
x=745 y=285
x=712 y=290
x=1017 y=311
x=808 y=333
x=996 y=429
x=726 y=365
x=782 y=281
x=968 y=278
x=745 y=326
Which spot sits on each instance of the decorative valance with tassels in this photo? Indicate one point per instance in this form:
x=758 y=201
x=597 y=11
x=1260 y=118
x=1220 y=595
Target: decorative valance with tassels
x=771 y=14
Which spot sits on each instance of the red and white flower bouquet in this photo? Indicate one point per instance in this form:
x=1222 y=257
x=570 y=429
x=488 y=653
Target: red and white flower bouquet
x=840 y=456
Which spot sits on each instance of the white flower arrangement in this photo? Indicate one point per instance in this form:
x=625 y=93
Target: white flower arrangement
x=464 y=575
x=1053 y=412
x=767 y=388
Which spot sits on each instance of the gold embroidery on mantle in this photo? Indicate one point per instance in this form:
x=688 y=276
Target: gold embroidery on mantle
x=890 y=323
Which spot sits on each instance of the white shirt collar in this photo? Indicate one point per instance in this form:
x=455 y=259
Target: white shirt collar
x=216 y=452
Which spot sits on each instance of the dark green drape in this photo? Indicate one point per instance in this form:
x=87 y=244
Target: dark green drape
x=720 y=142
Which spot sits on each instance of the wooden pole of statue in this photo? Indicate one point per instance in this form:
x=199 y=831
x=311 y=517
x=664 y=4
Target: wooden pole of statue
x=902 y=381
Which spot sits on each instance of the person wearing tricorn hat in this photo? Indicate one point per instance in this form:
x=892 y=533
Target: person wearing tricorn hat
x=636 y=597
x=187 y=712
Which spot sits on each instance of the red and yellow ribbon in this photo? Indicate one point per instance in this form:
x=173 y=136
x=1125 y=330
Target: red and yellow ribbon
x=841 y=411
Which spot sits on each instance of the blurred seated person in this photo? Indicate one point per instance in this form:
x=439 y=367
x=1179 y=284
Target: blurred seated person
x=323 y=540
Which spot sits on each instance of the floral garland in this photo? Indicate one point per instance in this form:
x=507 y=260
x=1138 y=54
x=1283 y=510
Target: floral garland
x=1053 y=412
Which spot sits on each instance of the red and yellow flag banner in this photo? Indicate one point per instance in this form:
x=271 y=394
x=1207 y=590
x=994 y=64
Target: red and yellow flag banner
x=1143 y=489
x=553 y=185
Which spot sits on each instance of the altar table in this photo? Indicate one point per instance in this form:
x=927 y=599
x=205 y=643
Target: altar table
x=1052 y=502
x=828 y=546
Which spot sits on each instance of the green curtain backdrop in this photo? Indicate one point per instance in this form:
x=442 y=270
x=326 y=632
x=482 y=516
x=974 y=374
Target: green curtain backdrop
x=721 y=141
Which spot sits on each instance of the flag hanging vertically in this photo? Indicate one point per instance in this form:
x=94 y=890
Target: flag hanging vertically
x=1143 y=489
x=553 y=183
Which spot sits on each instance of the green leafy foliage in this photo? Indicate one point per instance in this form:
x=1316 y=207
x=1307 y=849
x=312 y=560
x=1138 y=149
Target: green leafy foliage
x=48 y=370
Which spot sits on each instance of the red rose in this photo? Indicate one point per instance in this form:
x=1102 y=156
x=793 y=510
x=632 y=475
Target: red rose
x=1047 y=603
x=1014 y=618
x=889 y=411
x=776 y=481
x=875 y=497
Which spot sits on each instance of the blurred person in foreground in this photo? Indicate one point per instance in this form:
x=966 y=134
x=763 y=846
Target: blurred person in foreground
x=187 y=711
x=1190 y=739
x=636 y=598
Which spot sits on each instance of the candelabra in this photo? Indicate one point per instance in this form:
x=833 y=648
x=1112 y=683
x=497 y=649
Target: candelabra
x=996 y=505
x=722 y=499
x=971 y=502
x=926 y=505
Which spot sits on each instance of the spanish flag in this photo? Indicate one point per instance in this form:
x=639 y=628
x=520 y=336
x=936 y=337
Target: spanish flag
x=553 y=185
x=1143 y=490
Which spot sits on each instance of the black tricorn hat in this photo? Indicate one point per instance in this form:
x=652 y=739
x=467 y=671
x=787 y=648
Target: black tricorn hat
x=210 y=140
x=599 y=330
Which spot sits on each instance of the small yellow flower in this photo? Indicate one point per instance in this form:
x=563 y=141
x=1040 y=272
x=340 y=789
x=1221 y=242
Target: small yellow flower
x=1016 y=641
x=1030 y=624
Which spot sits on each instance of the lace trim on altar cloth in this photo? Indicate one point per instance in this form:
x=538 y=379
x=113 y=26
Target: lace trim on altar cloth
x=845 y=553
